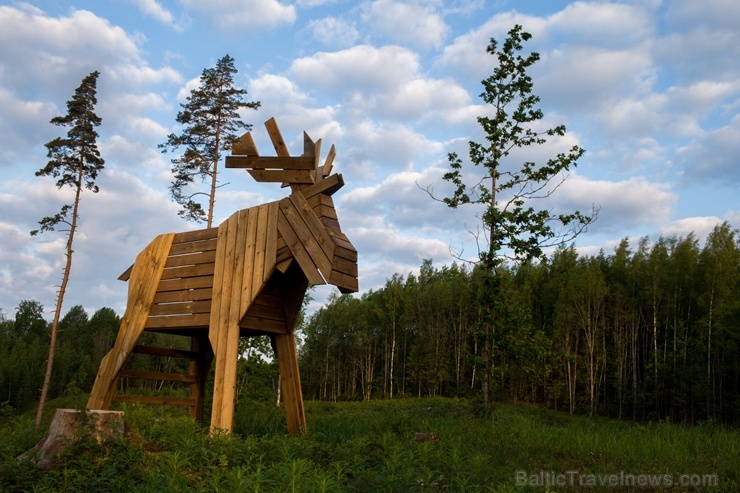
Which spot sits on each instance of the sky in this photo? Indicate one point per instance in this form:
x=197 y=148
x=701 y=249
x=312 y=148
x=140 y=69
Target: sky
x=649 y=88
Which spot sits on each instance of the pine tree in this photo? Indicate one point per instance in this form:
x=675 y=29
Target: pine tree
x=514 y=228
x=75 y=161
x=210 y=121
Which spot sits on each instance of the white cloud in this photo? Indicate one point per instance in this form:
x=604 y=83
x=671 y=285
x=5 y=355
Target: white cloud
x=234 y=14
x=333 y=31
x=625 y=205
x=409 y=23
x=155 y=10
x=714 y=157
x=357 y=69
x=700 y=226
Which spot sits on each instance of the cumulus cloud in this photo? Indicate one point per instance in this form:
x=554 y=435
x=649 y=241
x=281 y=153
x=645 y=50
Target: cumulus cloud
x=154 y=9
x=334 y=32
x=715 y=156
x=232 y=14
x=406 y=23
x=624 y=205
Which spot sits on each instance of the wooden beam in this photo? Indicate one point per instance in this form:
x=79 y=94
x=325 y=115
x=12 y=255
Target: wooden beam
x=148 y=399
x=154 y=375
x=327 y=186
x=176 y=322
x=276 y=137
x=290 y=381
x=270 y=162
x=165 y=352
x=201 y=294
x=329 y=163
x=245 y=146
x=185 y=308
x=191 y=259
x=287 y=176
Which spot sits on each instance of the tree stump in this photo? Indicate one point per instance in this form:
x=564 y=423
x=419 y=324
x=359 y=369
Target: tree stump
x=68 y=426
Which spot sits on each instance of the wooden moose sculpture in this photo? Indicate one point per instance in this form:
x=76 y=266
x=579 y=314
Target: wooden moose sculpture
x=246 y=277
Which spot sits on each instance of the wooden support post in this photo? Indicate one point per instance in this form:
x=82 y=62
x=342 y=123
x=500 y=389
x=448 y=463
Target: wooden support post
x=290 y=382
x=199 y=368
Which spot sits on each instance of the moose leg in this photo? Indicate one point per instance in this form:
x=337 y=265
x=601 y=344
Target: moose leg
x=142 y=287
x=290 y=381
x=199 y=368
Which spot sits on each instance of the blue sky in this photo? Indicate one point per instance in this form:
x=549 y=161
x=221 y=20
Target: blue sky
x=650 y=88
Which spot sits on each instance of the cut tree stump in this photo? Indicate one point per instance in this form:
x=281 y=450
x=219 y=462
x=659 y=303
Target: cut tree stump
x=68 y=426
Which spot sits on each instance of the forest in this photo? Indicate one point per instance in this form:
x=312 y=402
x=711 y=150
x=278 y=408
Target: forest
x=650 y=331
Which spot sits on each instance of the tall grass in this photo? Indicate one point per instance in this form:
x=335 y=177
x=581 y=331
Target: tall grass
x=370 y=447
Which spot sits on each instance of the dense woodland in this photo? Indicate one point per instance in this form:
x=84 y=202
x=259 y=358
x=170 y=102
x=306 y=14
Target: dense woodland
x=650 y=331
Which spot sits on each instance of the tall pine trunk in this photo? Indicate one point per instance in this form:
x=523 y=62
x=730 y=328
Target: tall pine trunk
x=60 y=298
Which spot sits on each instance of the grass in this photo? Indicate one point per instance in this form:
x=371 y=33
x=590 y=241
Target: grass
x=370 y=447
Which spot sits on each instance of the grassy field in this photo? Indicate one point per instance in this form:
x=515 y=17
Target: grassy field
x=373 y=447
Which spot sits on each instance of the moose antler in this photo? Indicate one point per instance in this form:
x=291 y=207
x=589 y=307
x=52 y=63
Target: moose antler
x=297 y=172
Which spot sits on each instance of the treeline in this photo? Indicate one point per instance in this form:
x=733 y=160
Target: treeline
x=24 y=349
x=651 y=331
x=83 y=341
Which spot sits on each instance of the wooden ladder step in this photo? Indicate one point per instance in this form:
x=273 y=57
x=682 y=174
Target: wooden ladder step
x=148 y=399
x=166 y=352
x=153 y=375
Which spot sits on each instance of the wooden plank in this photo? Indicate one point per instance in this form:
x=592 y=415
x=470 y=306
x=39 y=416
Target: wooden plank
x=186 y=271
x=195 y=235
x=201 y=294
x=287 y=176
x=319 y=237
x=326 y=186
x=247 y=246
x=198 y=320
x=290 y=382
x=245 y=145
x=332 y=225
x=226 y=330
x=260 y=247
x=345 y=283
x=186 y=283
x=276 y=137
x=149 y=399
x=186 y=308
x=264 y=325
x=329 y=163
x=193 y=247
x=153 y=375
x=345 y=266
x=312 y=149
x=229 y=353
x=191 y=259
x=218 y=273
x=126 y=274
x=269 y=312
x=271 y=240
x=283 y=265
x=271 y=162
x=296 y=248
x=165 y=352
x=293 y=292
